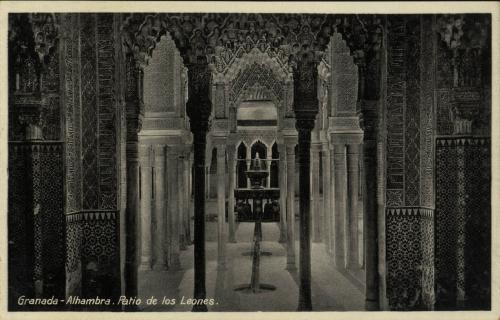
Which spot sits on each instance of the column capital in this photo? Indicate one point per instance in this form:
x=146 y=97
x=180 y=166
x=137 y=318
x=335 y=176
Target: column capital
x=199 y=106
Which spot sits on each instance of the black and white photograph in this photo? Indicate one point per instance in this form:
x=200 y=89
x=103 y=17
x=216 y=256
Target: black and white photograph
x=231 y=160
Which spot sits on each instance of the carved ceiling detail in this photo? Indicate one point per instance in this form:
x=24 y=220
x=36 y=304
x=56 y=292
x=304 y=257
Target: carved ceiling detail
x=222 y=38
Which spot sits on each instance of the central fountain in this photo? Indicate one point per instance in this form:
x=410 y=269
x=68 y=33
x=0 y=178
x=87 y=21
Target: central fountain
x=257 y=173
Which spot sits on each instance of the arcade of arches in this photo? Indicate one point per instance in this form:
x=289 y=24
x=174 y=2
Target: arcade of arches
x=130 y=136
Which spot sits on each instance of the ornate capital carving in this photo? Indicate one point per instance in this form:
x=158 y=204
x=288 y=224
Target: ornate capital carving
x=305 y=101
x=199 y=106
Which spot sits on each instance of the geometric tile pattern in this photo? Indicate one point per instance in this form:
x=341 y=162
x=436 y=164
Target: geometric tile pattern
x=463 y=216
x=410 y=273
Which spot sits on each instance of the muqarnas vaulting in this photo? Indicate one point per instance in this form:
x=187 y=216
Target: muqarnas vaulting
x=245 y=162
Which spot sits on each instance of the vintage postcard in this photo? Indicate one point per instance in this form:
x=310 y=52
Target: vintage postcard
x=219 y=159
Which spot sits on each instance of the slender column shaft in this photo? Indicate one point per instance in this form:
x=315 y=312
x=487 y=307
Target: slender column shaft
x=316 y=212
x=290 y=206
x=352 y=195
x=327 y=211
x=221 y=205
x=199 y=143
x=340 y=212
x=132 y=215
x=232 y=176
x=146 y=174
x=282 y=185
x=159 y=212
x=305 y=302
x=173 y=206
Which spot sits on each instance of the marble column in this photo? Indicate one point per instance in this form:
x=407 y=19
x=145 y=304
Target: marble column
x=133 y=105
x=221 y=205
x=305 y=107
x=340 y=206
x=282 y=184
x=290 y=205
x=352 y=196
x=173 y=205
x=181 y=191
x=231 y=153
x=327 y=211
x=159 y=211
x=146 y=173
x=199 y=143
x=304 y=129
x=316 y=210
x=199 y=108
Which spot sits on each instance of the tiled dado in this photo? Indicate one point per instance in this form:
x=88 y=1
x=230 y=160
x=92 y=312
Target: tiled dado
x=410 y=258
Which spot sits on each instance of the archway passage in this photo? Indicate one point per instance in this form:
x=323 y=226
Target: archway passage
x=258 y=117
